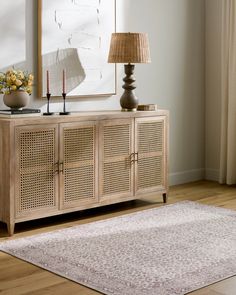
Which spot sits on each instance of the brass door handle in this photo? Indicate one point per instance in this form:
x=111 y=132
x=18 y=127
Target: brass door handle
x=131 y=158
x=61 y=167
x=56 y=168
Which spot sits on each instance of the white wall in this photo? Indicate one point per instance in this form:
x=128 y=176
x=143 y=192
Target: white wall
x=213 y=89
x=174 y=80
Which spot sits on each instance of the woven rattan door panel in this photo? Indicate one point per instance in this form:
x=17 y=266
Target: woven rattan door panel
x=78 y=158
x=36 y=182
x=150 y=149
x=115 y=155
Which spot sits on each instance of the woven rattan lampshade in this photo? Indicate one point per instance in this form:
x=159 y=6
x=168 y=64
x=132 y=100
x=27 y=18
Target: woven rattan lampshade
x=129 y=48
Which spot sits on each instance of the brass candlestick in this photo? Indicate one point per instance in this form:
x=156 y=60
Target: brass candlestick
x=64 y=105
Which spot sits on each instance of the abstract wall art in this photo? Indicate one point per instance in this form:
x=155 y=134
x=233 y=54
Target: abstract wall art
x=74 y=36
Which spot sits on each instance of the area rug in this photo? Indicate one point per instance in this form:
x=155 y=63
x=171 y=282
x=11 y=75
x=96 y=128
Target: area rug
x=170 y=250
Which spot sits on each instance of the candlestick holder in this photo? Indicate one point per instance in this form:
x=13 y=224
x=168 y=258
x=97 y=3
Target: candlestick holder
x=48 y=113
x=64 y=105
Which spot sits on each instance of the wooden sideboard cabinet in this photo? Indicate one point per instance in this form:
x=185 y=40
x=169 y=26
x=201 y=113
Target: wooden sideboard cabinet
x=60 y=164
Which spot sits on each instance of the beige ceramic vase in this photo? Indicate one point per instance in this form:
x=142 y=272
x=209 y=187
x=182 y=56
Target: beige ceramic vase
x=16 y=99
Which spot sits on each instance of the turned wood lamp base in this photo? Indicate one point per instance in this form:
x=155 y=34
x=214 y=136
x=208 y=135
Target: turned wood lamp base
x=128 y=101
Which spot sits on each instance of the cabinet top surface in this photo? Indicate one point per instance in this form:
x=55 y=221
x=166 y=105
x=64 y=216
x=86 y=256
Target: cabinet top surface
x=83 y=115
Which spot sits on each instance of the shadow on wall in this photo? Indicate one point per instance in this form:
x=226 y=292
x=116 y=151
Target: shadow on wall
x=193 y=81
x=12 y=28
x=12 y=31
x=28 y=11
x=55 y=62
x=20 y=49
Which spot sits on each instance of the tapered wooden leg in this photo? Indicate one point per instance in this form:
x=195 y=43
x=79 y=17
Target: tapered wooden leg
x=165 y=198
x=10 y=228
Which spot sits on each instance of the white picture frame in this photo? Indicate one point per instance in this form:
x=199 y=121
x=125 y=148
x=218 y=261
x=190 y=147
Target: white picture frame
x=74 y=36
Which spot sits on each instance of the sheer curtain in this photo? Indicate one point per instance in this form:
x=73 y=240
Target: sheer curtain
x=228 y=95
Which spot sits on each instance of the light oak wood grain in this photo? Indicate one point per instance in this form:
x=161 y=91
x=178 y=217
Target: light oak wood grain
x=120 y=154
x=31 y=165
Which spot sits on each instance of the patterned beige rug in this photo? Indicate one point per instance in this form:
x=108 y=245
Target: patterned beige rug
x=170 y=250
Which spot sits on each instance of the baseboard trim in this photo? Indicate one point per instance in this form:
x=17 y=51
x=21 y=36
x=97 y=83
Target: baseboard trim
x=212 y=174
x=186 y=176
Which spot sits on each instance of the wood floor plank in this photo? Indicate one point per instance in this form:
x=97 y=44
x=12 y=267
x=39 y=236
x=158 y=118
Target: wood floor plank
x=67 y=287
x=206 y=292
x=229 y=285
x=35 y=281
x=21 y=278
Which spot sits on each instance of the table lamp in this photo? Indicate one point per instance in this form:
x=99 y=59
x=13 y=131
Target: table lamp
x=129 y=48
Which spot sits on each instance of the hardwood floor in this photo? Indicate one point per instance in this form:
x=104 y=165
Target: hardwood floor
x=18 y=277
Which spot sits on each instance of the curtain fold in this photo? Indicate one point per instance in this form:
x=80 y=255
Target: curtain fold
x=228 y=93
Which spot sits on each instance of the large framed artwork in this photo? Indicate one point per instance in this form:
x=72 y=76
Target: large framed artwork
x=74 y=38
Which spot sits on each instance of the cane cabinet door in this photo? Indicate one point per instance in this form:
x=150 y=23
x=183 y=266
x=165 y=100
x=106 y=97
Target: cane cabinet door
x=115 y=159
x=150 y=154
x=36 y=186
x=78 y=164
